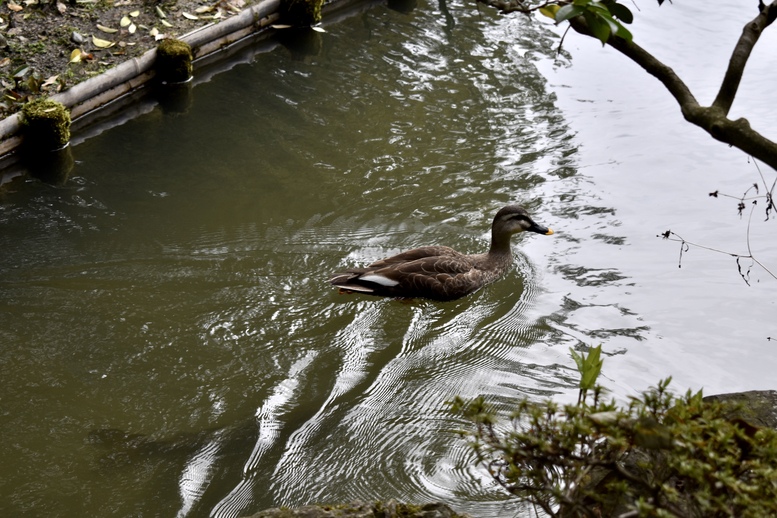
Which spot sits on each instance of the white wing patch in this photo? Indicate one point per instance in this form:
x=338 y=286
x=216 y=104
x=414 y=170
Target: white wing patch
x=378 y=279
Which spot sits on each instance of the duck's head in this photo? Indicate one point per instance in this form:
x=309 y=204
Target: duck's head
x=513 y=219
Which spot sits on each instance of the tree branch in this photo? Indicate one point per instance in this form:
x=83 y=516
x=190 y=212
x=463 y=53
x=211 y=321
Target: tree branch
x=712 y=119
x=736 y=66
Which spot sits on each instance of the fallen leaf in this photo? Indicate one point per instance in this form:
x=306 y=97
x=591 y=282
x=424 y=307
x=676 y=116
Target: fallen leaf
x=154 y=31
x=125 y=21
x=62 y=8
x=21 y=71
x=30 y=2
x=135 y=14
x=13 y=96
x=132 y=28
x=280 y=26
x=103 y=44
x=159 y=37
x=14 y=6
x=75 y=56
x=5 y=62
x=204 y=9
x=166 y=23
x=160 y=12
x=189 y=16
x=107 y=29
x=50 y=81
x=318 y=29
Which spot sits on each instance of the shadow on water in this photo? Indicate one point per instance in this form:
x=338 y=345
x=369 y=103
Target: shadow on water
x=52 y=167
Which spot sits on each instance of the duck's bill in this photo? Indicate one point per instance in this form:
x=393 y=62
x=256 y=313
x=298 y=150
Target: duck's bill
x=541 y=230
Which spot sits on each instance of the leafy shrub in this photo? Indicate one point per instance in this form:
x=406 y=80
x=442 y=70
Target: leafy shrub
x=662 y=455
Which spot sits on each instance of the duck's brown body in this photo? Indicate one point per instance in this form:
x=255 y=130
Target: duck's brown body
x=439 y=272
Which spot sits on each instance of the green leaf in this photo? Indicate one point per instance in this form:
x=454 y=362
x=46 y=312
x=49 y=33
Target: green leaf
x=550 y=11
x=621 y=12
x=578 y=360
x=623 y=32
x=589 y=366
x=598 y=26
x=21 y=71
x=610 y=21
x=569 y=11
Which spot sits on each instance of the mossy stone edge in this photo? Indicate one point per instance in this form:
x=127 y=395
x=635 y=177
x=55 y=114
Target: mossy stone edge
x=46 y=124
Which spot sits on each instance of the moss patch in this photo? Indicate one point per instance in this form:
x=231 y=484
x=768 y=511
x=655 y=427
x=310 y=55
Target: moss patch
x=173 y=61
x=301 y=13
x=46 y=124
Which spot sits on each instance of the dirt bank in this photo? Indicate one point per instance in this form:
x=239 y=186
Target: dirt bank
x=47 y=46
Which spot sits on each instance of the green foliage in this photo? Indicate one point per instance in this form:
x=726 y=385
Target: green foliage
x=661 y=455
x=589 y=367
x=605 y=18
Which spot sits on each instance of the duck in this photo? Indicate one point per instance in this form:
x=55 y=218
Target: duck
x=440 y=272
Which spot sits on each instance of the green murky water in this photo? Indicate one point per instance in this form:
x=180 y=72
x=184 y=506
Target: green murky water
x=171 y=347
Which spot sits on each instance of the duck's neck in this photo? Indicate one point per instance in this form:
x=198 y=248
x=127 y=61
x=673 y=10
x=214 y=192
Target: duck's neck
x=500 y=244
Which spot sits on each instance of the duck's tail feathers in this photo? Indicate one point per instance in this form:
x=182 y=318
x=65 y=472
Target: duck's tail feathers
x=349 y=282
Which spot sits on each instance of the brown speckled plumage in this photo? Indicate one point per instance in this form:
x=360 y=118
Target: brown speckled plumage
x=439 y=272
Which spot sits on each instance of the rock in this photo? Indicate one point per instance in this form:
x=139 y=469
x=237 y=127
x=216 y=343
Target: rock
x=748 y=410
x=756 y=407
x=77 y=38
x=390 y=509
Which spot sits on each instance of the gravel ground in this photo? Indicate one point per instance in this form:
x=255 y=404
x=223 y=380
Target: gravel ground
x=47 y=46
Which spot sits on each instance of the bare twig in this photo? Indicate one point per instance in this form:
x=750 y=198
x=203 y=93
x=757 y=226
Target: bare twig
x=685 y=246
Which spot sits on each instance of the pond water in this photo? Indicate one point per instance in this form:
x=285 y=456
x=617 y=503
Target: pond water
x=171 y=346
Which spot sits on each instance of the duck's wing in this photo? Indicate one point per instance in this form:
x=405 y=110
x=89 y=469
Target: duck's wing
x=431 y=272
x=416 y=254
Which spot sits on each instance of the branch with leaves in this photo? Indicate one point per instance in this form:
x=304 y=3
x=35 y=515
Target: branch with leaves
x=605 y=20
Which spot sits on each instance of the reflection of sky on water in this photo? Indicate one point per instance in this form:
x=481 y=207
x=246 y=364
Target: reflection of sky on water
x=708 y=328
